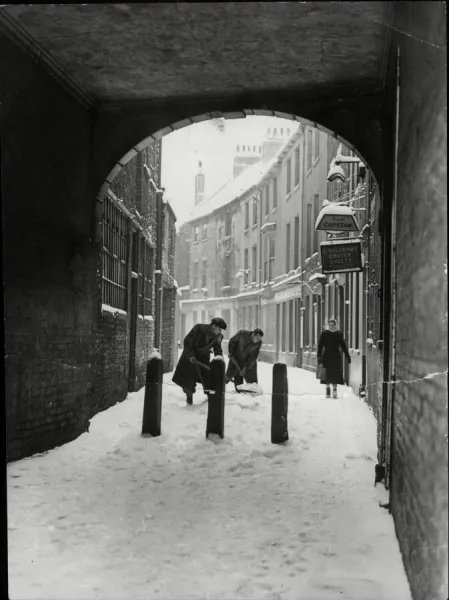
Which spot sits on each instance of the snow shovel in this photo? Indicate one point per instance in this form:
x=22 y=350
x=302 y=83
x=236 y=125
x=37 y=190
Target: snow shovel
x=197 y=364
x=250 y=392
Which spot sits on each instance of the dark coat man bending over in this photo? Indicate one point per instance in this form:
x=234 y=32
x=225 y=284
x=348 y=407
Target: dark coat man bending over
x=243 y=350
x=194 y=363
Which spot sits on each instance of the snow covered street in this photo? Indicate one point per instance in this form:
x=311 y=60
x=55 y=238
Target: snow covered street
x=114 y=515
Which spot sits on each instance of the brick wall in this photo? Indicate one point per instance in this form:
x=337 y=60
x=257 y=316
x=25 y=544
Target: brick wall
x=419 y=479
x=168 y=327
x=65 y=361
x=49 y=261
x=144 y=347
x=183 y=245
x=110 y=369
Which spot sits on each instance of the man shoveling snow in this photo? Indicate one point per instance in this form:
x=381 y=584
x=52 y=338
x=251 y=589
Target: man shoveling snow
x=243 y=349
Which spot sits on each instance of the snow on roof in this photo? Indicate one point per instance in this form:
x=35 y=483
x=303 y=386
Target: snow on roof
x=235 y=188
x=230 y=191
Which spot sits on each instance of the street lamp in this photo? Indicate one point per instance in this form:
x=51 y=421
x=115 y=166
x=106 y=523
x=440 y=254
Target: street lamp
x=340 y=158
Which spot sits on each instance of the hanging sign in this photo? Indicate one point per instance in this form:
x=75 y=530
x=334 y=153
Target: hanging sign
x=336 y=218
x=341 y=256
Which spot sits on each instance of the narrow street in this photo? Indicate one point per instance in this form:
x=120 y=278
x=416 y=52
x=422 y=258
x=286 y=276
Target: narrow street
x=117 y=515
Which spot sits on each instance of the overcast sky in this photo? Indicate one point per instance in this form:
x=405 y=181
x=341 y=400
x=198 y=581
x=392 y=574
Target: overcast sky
x=215 y=148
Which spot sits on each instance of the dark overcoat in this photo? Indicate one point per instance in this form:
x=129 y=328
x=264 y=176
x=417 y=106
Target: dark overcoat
x=245 y=352
x=199 y=342
x=329 y=353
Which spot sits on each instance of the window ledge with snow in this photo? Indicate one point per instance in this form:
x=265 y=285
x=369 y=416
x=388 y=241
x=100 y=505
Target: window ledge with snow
x=268 y=227
x=111 y=309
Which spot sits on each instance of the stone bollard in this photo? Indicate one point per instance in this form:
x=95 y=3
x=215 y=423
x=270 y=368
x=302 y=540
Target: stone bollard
x=216 y=404
x=152 y=404
x=279 y=404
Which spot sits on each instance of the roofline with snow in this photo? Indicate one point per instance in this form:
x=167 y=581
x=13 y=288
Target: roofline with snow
x=270 y=172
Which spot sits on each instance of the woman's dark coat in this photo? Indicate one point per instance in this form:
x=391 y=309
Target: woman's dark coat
x=199 y=342
x=329 y=353
x=245 y=352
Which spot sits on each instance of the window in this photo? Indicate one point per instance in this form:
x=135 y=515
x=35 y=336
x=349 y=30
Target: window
x=306 y=329
x=316 y=210
x=205 y=231
x=195 y=275
x=358 y=301
x=309 y=230
x=227 y=271
x=147 y=280
x=203 y=316
x=317 y=143
x=296 y=167
x=309 y=149
x=289 y=176
x=267 y=200
x=115 y=260
x=290 y=327
x=254 y=263
x=246 y=267
x=265 y=260
x=275 y=192
x=255 y=215
x=287 y=249
x=284 y=328
x=228 y=224
x=196 y=234
x=246 y=215
x=296 y=246
x=314 y=323
x=204 y=274
x=271 y=258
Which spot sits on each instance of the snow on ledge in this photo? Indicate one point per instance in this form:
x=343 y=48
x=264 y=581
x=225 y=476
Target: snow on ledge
x=155 y=354
x=148 y=318
x=111 y=309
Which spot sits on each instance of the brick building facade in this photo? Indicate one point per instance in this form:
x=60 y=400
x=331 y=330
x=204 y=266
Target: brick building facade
x=98 y=356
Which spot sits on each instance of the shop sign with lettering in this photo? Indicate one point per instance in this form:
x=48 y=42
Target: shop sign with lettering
x=293 y=291
x=336 y=218
x=341 y=256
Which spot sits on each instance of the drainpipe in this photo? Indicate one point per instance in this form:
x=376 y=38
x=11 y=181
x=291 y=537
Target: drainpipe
x=393 y=290
x=158 y=271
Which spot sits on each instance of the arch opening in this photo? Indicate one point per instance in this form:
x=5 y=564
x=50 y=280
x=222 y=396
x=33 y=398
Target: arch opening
x=220 y=117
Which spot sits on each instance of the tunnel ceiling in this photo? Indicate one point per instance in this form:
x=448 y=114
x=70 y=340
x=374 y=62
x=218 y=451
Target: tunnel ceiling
x=125 y=53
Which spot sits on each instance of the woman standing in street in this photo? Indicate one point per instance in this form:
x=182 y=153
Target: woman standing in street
x=329 y=356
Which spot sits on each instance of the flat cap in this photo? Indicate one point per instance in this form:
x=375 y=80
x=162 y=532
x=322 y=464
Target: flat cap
x=219 y=323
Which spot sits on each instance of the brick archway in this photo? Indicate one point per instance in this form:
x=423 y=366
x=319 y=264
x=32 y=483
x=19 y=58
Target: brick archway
x=360 y=125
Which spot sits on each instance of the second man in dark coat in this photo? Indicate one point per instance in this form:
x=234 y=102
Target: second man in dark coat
x=243 y=349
